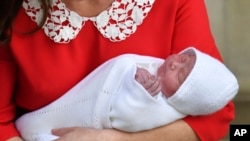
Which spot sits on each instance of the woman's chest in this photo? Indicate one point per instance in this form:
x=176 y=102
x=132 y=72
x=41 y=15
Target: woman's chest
x=48 y=69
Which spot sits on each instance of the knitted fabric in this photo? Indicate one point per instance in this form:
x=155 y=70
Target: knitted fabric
x=209 y=86
x=109 y=97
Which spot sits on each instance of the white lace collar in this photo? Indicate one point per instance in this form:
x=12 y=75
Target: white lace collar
x=116 y=23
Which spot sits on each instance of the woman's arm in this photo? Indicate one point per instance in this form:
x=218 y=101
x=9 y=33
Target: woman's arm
x=176 y=131
x=15 y=139
x=7 y=84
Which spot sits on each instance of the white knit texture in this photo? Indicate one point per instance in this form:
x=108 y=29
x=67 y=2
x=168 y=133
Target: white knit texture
x=208 y=88
x=107 y=98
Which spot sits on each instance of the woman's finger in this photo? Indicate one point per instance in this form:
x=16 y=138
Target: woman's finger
x=62 y=131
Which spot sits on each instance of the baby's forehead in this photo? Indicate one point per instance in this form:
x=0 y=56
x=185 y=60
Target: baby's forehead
x=190 y=63
x=188 y=52
x=191 y=54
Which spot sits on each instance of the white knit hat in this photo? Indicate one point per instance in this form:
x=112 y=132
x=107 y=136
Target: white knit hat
x=208 y=88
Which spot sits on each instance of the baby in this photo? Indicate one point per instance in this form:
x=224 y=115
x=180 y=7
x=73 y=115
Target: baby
x=119 y=92
x=175 y=69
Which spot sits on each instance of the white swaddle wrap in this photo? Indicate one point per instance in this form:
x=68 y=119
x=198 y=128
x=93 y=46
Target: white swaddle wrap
x=109 y=97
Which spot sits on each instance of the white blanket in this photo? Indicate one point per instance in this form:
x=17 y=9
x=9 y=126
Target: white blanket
x=109 y=97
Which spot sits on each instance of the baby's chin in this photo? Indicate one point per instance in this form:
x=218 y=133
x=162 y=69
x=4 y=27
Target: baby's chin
x=167 y=95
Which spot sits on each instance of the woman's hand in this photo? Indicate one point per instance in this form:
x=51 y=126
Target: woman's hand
x=77 y=133
x=176 y=131
x=90 y=134
x=15 y=139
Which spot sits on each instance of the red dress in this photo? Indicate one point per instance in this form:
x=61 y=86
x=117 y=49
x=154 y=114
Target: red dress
x=37 y=69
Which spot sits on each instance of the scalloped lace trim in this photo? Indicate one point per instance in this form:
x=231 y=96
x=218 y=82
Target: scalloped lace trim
x=116 y=23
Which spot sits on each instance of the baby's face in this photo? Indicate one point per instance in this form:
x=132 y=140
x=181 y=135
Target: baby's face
x=174 y=71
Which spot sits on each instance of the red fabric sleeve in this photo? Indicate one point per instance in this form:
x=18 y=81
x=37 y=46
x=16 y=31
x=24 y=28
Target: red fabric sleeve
x=213 y=127
x=7 y=80
x=192 y=29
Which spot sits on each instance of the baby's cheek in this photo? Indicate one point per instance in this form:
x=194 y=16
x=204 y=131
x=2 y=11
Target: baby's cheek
x=168 y=89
